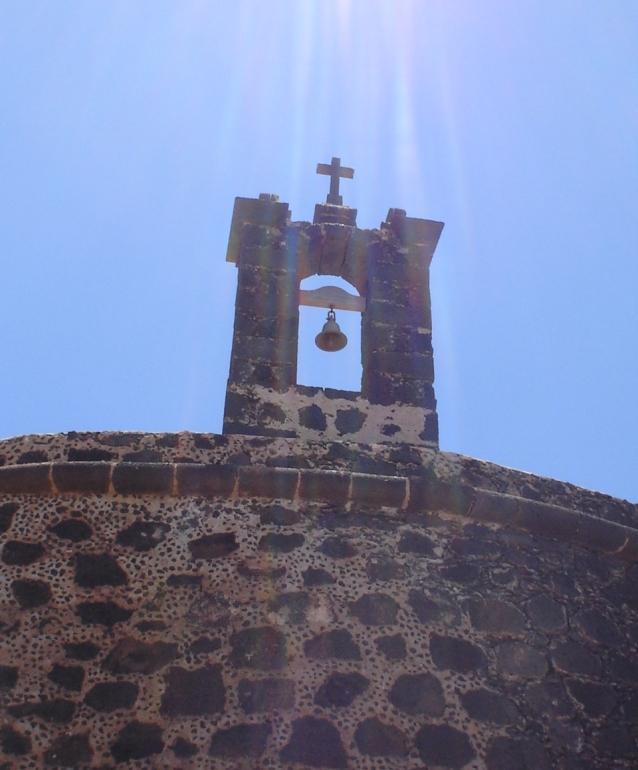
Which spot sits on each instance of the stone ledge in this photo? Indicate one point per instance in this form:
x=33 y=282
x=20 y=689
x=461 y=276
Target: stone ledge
x=400 y=494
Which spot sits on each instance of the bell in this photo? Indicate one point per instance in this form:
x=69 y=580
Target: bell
x=331 y=338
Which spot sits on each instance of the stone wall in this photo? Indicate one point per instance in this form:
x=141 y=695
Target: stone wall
x=183 y=600
x=389 y=267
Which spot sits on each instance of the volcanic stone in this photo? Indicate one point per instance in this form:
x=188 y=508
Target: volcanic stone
x=183 y=749
x=597 y=700
x=315 y=576
x=393 y=647
x=598 y=628
x=293 y=606
x=521 y=753
x=248 y=740
x=332 y=644
x=496 y=617
x=349 y=420
x=13 y=742
x=341 y=689
x=193 y=693
x=416 y=543
x=74 y=530
x=31 y=593
x=456 y=654
x=103 y=613
x=266 y=694
x=375 y=609
x=8 y=677
x=258 y=648
x=70 y=677
x=111 y=696
x=312 y=417
x=143 y=535
x=59 y=711
x=131 y=656
x=520 y=660
x=445 y=746
x=20 y=553
x=487 y=706
x=316 y=743
x=383 y=568
x=280 y=516
x=81 y=650
x=69 y=751
x=213 y=546
x=278 y=542
x=430 y=610
x=377 y=739
x=137 y=740
x=7 y=511
x=98 y=569
x=546 y=614
x=418 y=694
x=572 y=658
x=338 y=548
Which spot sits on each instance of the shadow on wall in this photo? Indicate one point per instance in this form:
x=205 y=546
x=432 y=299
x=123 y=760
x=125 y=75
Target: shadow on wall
x=342 y=369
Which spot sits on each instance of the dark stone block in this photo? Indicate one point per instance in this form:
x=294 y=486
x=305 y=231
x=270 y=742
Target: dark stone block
x=279 y=516
x=151 y=625
x=461 y=573
x=69 y=677
x=597 y=700
x=25 y=479
x=205 y=480
x=137 y=740
x=98 y=569
x=131 y=656
x=521 y=753
x=378 y=491
x=193 y=693
x=213 y=546
x=377 y=739
x=430 y=432
x=375 y=610
x=316 y=743
x=349 y=421
x=418 y=694
x=293 y=606
x=184 y=580
x=432 y=495
x=31 y=593
x=315 y=576
x=390 y=430
x=393 y=647
x=520 y=660
x=259 y=648
x=382 y=568
x=496 y=617
x=279 y=542
x=103 y=613
x=487 y=706
x=81 y=650
x=248 y=740
x=204 y=645
x=572 y=658
x=69 y=751
x=261 y=481
x=410 y=365
x=142 y=478
x=90 y=455
x=7 y=512
x=142 y=456
x=92 y=478
x=74 y=530
x=32 y=456
x=20 y=553
x=548 y=700
x=616 y=741
x=260 y=573
x=266 y=695
x=337 y=643
x=623 y=668
x=15 y=743
x=8 y=677
x=415 y=542
x=268 y=375
x=598 y=628
x=143 y=535
x=112 y=696
x=338 y=548
x=328 y=486
x=456 y=654
x=546 y=614
x=183 y=749
x=429 y=610
x=340 y=689
x=312 y=417
x=445 y=746
x=58 y=711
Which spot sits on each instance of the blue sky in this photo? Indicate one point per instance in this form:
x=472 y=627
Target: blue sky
x=127 y=127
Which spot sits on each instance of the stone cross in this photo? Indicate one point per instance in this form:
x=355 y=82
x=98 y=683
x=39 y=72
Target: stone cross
x=335 y=171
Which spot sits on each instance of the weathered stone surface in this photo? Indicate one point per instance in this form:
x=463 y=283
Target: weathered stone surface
x=456 y=654
x=213 y=546
x=416 y=543
x=375 y=609
x=69 y=751
x=338 y=548
x=316 y=576
x=312 y=417
x=8 y=677
x=444 y=746
x=7 y=512
x=279 y=542
x=429 y=610
x=546 y=614
x=111 y=696
x=69 y=677
x=291 y=607
x=349 y=421
x=246 y=740
x=496 y=617
x=573 y=658
x=315 y=743
x=14 y=742
x=597 y=700
x=488 y=706
x=132 y=656
x=258 y=648
x=280 y=516
x=548 y=700
x=418 y=694
x=340 y=689
x=383 y=568
x=31 y=593
x=520 y=660
x=465 y=574
x=81 y=650
x=143 y=536
x=137 y=740
x=74 y=530
x=59 y=710
x=505 y=753
x=193 y=693
x=21 y=553
x=616 y=741
x=98 y=569
x=378 y=739
x=103 y=613
x=268 y=695
x=204 y=645
x=393 y=647
x=337 y=643
x=597 y=627
x=183 y=749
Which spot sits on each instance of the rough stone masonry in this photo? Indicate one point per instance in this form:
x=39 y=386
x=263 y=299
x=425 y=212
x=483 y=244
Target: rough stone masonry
x=320 y=587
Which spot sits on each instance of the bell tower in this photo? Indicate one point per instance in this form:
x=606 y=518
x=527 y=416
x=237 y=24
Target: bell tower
x=389 y=267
